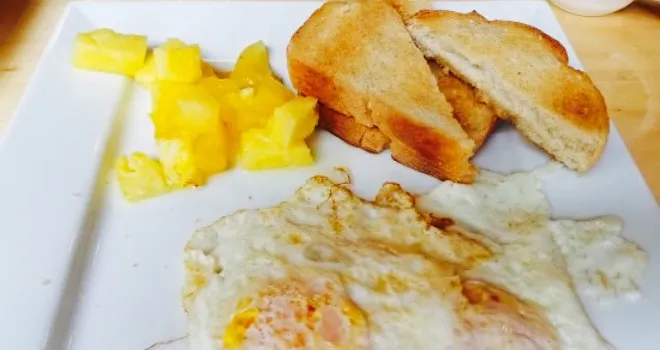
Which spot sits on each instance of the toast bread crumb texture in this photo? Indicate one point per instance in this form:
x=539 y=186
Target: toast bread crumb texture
x=358 y=59
x=412 y=159
x=346 y=128
x=474 y=116
x=372 y=140
x=524 y=73
x=407 y=8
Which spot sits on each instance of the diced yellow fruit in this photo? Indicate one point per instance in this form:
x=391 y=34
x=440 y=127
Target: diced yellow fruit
x=258 y=152
x=207 y=70
x=183 y=109
x=223 y=90
x=241 y=112
x=147 y=74
x=251 y=107
x=190 y=161
x=179 y=164
x=107 y=51
x=173 y=43
x=293 y=121
x=212 y=151
x=140 y=177
x=252 y=65
x=177 y=62
x=247 y=94
x=219 y=88
x=223 y=74
x=270 y=93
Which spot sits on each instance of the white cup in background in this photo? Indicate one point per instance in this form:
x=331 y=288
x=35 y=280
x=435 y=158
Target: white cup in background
x=591 y=7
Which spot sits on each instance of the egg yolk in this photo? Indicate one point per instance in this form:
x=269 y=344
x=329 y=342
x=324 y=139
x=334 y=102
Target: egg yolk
x=294 y=316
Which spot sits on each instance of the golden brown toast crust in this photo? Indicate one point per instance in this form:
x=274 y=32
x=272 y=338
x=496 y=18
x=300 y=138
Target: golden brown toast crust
x=476 y=117
x=407 y=8
x=327 y=38
x=357 y=58
x=371 y=139
x=523 y=61
x=412 y=159
x=346 y=128
x=430 y=147
x=552 y=44
x=311 y=82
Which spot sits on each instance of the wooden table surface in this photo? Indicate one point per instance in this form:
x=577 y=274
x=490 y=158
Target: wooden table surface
x=621 y=52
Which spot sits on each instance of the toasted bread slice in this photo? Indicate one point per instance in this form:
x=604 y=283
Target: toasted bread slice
x=407 y=8
x=476 y=118
x=410 y=158
x=346 y=128
x=525 y=73
x=357 y=58
x=374 y=141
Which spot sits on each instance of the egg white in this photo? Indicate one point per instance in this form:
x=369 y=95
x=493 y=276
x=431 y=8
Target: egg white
x=403 y=274
x=540 y=259
x=404 y=279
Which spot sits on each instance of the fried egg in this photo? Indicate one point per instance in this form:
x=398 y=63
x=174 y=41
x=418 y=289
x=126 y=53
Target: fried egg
x=603 y=264
x=328 y=270
x=538 y=259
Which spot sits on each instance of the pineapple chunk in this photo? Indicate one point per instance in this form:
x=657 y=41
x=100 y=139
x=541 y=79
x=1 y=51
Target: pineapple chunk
x=107 y=51
x=258 y=152
x=140 y=177
x=293 y=121
x=207 y=70
x=222 y=90
x=241 y=113
x=252 y=107
x=177 y=62
x=270 y=93
x=146 y=76
x=219 y=88
x=190 y=161
x=183 y=109
x=252 y=65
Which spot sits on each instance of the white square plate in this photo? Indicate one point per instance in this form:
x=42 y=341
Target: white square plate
x=83 y=269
